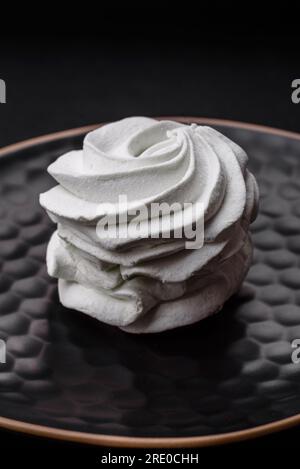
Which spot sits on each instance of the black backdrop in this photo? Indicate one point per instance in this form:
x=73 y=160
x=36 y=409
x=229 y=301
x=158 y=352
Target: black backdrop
x=162 y=61
x=179 y=60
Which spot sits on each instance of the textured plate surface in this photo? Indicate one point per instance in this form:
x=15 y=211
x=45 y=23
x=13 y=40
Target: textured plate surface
x=228 y=373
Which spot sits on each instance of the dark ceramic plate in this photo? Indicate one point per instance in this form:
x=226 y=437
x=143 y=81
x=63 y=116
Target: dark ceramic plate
x=226 y=378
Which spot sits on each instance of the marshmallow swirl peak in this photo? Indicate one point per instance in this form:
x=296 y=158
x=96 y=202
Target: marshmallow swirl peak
x=147 y=284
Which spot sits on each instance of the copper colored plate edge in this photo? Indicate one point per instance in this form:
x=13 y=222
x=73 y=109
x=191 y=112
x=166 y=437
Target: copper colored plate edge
x=147 y=442
x=187 y=119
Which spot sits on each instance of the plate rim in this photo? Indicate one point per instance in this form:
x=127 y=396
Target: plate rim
x=132 y=441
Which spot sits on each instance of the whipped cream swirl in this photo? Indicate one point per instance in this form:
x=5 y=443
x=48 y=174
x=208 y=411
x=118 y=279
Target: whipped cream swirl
x=150 y=284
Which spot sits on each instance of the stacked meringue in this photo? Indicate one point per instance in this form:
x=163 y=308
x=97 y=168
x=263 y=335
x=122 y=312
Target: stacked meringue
x=150 y=284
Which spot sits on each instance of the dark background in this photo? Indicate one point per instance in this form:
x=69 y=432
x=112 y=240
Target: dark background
x=181 y=60
x=188 y=59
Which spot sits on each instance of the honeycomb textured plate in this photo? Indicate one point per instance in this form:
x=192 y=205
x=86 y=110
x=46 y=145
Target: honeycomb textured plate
x=228 y=373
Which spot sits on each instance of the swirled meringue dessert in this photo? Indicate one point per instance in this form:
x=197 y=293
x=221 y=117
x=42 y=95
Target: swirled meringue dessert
x=139 y=282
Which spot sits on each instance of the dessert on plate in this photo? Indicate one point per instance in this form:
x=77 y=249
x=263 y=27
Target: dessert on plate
x=150 y=280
